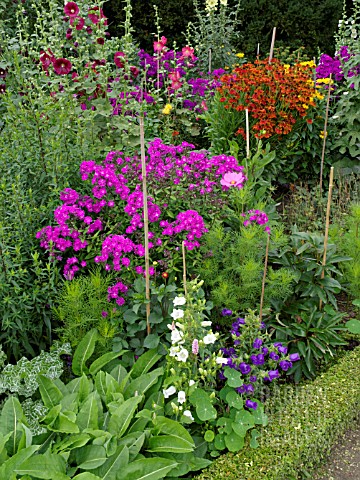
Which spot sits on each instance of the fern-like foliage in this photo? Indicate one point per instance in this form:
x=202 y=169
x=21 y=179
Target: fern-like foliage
x=83 y=305
x=234 y=264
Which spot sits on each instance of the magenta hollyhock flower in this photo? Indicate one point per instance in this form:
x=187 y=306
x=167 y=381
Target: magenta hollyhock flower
x=188 y=52
x=118 y=59
x=71 y=9
x=159 y=46
x=62 y=66
x=233 y=179
x=79 y=22
x=95 y=15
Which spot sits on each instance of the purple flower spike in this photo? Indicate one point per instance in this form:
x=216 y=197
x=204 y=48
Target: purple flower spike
x=250 y=404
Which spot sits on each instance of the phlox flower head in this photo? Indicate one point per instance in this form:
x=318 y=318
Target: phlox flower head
x=233 y=179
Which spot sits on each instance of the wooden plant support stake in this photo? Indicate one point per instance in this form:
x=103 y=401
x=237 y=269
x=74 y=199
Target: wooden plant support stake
x=146 y=223
x=264 y=277
x=325 y=135
x=327 y=225
x=247 y=133
x=272 y=45
x=258 y=51
x=209 y=60
x=184 y=268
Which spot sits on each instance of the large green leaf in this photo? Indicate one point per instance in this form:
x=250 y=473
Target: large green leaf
x=202 y=403
x=46 y=466
x=114 y=465
x=90 y=457
x=49 y=392
x=234 y=442
x=83 y=352
x=86 y=476
x=11 y=415
x=353 y=326
x=147 y=469
x=168 y=426
x=145 y=362
x=123 y=415
x=16 y=461
x=88 y=414
x=168 y=443
x=69 y=443
x=143 y=383
x=100 y=362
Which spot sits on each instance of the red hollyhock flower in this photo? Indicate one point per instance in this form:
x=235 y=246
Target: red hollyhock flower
x=79 y=22
x=188 y=52
x=3 y=72
x=100 y=41
x=118 y=56
x=71 y=9
x=62 y=66
x=95 y=15
x=2 y=88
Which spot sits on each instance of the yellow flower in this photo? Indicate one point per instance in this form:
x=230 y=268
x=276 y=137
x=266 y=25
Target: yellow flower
x=286 y=66
x=305 y=106
x=240 y=55
x=322 y=134
x=310 y=64
x=327 y=81
x=167 y=109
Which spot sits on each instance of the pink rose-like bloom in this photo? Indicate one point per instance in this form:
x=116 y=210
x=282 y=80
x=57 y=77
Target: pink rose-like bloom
x=233 y=179
x=62 y=66
x=71 y=9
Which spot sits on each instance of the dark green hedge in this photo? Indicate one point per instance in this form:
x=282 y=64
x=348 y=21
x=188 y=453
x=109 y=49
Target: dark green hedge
x=304 y=423
x=309 y=23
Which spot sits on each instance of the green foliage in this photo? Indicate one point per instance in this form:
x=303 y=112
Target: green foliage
x=103 y=427
x=312 y=333
x=82 y=305
x=234 y=265
x=305 y=421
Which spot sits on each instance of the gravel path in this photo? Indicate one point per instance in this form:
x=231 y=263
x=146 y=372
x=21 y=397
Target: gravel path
x=344 y=462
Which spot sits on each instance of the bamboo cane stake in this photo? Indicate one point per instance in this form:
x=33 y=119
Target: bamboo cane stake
x=272 y=45
x=325 y=135
x=258 y=51
x=209 y=60
x=247 y=133
x=146 y=224
x=184 y=268
x=264 y=277
x=327 y=224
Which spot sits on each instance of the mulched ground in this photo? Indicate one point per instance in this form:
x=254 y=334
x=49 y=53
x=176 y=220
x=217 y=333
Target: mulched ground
x=344 y=462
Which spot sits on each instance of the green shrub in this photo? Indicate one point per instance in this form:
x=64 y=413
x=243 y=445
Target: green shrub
x=304 y=423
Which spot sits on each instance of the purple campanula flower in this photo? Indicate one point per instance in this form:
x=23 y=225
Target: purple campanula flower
x=257 y=343
x=282 y=350
x=265 y=350
x=250 y=404
x=294 y=357
x=253 y=378
x=244 y=368
x=241 y=389
x=274 y=356
x=285 y=365
x=225 y=312
x=273 y=374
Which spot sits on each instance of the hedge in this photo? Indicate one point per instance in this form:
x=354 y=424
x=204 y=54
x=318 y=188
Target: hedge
x=304 y=423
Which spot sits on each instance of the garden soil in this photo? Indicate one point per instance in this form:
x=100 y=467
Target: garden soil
x=344 y=461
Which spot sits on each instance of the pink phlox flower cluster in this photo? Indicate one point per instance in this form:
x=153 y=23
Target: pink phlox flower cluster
x=114 y=293
x=69 y=196
x=256 y=216
x=188 y=221
x=116 y=247
x=71 y=268
x=103 y=177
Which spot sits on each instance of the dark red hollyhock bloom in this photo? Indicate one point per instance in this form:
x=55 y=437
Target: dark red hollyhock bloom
x=79 y=22
x=2 y=88
x=135 y=71
x=118 y=56
x=71 y=9
x=3 y=72
x=62 y=66
x=100 y=41
x=95 y=15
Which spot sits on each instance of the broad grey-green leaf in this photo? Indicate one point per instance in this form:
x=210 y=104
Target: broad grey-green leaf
x=122 y=417
x=90 y=457
x=83 y=352
x=100 y=362
x=168 y=426
x=69 y=443
x=88 y=414
x=143 y=383
x=45 y=466
x=50 y=394
x=168 y=443
x=148 y=469
x=114 y=464
x=86 y=476
x=144 y=363
x=8 y=467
